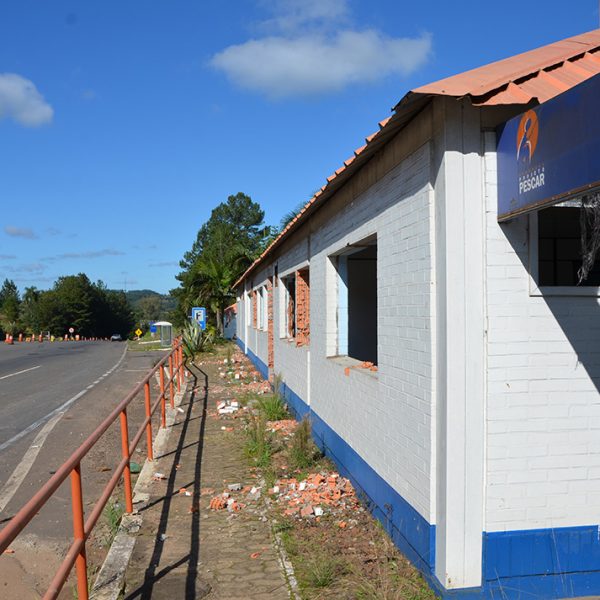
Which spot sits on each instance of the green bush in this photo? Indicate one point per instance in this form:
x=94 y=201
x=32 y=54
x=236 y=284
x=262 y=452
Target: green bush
x=195 y=340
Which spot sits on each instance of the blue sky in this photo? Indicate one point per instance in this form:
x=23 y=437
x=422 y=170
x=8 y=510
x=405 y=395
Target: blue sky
x=123 y=123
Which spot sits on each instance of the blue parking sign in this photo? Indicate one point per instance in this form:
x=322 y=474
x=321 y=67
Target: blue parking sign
x=199 y=316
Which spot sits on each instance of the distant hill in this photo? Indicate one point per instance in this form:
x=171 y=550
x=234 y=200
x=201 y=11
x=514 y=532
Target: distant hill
x=136 y=299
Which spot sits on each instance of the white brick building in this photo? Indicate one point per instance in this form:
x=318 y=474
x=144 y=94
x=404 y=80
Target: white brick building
x=459 y=394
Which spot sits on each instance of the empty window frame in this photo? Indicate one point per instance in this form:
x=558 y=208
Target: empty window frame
x=559 y=247
x=357 y=301
x=296 y=307
x=265 y=315
x=247 y=308
x=289 y=307
x=259 y=308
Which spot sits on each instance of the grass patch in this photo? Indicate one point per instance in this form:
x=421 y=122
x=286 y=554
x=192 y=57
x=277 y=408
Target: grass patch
x=272 y=407
x=258 y=446
x=320 y=571
x=113 y=513
x=302 y=451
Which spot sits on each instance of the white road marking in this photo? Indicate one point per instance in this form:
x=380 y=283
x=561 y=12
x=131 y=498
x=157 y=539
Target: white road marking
x=18 y=475
x=19 y=372
x=16 y=479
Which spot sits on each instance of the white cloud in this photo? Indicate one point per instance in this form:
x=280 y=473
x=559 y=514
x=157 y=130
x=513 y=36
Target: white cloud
x=87 y=254
x=26 y=268
x=22 y=232
x=281 y=66
x=293 y=14
x=21 y=101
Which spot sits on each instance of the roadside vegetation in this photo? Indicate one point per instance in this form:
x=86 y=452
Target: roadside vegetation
x=91 y=309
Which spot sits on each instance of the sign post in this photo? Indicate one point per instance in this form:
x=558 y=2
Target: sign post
x=199 y=316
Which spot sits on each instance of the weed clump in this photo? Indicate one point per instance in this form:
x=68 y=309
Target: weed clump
x=113 y=513
x=321 y=571
x=259 y=441
x=302 y=451
x=272 y=407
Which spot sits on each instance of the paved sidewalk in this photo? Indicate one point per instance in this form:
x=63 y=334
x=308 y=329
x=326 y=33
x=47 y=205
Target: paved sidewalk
x=184 y=549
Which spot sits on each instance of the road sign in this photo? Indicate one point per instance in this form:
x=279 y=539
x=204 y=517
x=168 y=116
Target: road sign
x=71 y=330
x=138 y=332
x=152 y=328
x=199 y=315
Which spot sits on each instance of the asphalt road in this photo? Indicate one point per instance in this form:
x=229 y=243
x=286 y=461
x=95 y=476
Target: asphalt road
x=78 y=383
x=36 y=379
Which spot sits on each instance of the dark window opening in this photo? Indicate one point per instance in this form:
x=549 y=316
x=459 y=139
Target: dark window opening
x=362 y=304
x=290 y=308
x=559 y=248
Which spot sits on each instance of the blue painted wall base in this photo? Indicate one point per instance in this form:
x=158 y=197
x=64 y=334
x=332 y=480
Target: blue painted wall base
x=531 y=564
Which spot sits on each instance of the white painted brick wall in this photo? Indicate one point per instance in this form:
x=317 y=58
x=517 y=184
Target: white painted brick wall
x=257 y=339
x=385 y=417
x=543 y=407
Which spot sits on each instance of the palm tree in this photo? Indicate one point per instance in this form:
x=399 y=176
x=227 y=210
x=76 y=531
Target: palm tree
x=215 y=281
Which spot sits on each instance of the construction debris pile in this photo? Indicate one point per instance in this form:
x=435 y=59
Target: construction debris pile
x=317 y=495
x=226 y=499
x=285 y=427
x=235 y=370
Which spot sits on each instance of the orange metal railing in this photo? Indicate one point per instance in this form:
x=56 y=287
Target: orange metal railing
x=82 y=527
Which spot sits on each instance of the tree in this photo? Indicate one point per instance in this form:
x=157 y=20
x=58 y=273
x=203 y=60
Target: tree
x=9 y=306
x=30 y=317
x=225 y=246
x=149 y=308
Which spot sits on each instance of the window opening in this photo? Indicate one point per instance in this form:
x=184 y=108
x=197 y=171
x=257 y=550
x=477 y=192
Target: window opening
x=289 y=284
x=566 y=232
x=357 y=302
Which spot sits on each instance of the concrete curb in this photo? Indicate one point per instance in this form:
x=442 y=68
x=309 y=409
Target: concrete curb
x=110 y=580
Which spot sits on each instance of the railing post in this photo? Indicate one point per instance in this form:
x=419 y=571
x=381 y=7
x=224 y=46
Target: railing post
x=79 y=532
x=181 y=364
x=125 y=453
x=171 y=388
x=149 y=424
x=163 y=402
x=178 y=368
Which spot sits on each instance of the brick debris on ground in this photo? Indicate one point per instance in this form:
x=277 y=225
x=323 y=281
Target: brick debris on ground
x=188 y=546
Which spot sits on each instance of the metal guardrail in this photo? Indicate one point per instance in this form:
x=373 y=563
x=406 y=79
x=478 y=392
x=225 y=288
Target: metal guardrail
x=83 y=527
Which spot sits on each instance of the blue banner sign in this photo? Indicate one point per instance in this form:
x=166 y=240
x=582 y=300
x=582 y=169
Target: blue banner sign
x=199 y=315
x=550 y=152
x=152 y=327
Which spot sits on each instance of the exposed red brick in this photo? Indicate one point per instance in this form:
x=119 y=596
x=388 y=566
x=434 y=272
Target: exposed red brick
x=302 y=307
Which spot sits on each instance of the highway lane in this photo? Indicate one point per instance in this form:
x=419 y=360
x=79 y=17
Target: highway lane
x=36 y=379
